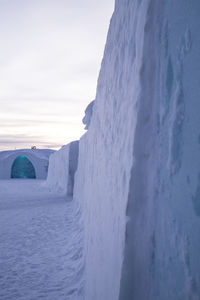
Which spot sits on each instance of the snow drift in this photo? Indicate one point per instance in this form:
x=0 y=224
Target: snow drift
x=138 y=177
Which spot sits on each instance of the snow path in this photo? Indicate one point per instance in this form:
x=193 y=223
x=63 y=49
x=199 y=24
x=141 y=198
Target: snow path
x=40 y=244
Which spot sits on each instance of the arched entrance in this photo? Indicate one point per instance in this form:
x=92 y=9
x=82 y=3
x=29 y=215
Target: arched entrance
x=22 y=168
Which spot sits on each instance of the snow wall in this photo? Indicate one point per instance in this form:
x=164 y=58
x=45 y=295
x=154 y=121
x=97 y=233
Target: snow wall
x=138 y=177
x=62 y=168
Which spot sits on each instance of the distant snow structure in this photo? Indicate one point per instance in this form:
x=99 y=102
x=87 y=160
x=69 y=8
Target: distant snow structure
x=24 y=163
x=62 y=167
x=88 y=115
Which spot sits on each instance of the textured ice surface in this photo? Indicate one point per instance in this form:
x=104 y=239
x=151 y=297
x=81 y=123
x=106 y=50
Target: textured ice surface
x=138 y=178
x=22 y=168
x=62 y=167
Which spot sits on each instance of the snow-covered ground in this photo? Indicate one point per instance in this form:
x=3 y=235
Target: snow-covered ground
x=40 y=243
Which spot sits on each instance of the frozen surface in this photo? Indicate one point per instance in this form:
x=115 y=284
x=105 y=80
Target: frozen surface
x=106 y=152
x=62 y=168
x=40 y=244
x=138 y=178
x=58 y=172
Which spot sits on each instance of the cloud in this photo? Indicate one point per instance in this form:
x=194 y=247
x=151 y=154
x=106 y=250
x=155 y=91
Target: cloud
x=49 y=62
x=25 y=142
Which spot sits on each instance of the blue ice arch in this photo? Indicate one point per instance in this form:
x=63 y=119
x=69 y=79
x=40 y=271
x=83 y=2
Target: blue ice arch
x=22 y=168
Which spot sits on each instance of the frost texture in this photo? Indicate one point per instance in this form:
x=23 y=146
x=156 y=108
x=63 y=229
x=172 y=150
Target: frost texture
x=40 y=243
x=139 y=162
x=62 y=168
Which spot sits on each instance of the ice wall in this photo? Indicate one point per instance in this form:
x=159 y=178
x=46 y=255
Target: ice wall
x=138 y=176
x=62 y=168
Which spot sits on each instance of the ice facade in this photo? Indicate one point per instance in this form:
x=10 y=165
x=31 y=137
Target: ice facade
x=24 y=163
x=138 y=177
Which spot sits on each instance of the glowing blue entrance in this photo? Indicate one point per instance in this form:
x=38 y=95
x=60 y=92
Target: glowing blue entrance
x=22 y=168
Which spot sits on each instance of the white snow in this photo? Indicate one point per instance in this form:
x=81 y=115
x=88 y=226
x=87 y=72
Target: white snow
x=40 y=243
x=41 y=231
x=58 y=173
x=62 y=168
x=105 y=159
x=137 y=186
x=138 y=173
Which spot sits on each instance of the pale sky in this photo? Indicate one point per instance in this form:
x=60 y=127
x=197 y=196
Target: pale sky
x=50 y=57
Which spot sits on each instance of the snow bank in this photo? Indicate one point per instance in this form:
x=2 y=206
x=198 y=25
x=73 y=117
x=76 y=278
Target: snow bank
x=138 y=177
x=62 y=168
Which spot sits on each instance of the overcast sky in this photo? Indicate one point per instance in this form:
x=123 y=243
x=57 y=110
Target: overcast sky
x=50 y=56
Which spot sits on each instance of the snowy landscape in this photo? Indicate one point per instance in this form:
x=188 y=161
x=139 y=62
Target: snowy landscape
x=116 y=215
